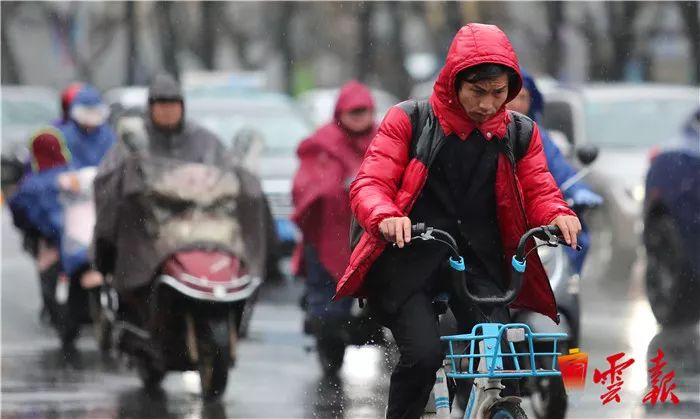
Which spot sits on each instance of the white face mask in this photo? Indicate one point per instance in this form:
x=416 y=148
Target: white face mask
x=91 y=116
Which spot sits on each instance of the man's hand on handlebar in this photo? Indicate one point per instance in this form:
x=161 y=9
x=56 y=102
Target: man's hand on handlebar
x=396 y=230
x=570 y=227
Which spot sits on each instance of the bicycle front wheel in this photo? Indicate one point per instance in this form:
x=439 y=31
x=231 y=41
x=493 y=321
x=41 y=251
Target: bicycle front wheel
x=506 y=409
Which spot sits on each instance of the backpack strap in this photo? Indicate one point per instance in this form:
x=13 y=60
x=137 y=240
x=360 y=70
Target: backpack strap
x=518 y=136
x=418 y=112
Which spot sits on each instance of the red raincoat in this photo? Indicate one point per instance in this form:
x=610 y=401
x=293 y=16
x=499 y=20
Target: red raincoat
x=389 y=183
x=329 y=160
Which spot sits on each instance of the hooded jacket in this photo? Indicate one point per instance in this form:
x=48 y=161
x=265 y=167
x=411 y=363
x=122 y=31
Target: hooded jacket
x=87 y=148
x=390 y=181
x=189 y=141
x=36 y=205
x=329 y=160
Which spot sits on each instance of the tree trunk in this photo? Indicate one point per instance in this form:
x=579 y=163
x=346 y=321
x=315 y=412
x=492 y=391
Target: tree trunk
x=10 y=71
x=689 y=11
x=168 y=41
x=398 y=81
x=209 y=23
x=131 y=50
x=284 y=44
x=365 y=59
x=597 y=65
x=555 y=19
x=453 y=18
x=621 y=17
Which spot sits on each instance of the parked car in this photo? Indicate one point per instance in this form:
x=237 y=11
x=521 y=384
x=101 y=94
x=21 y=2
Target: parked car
x=320 y=103
x=626 y=122
x=24 y=110
x=672 y=230
x=282 y=126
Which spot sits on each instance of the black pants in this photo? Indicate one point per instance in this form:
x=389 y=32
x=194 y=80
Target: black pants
x=417 y=334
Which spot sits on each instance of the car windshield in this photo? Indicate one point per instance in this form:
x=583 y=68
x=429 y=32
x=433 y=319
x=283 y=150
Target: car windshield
x=24 y=112
x=636 y=123
x=282 y=127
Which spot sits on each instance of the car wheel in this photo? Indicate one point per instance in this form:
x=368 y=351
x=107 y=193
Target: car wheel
x=672 y=287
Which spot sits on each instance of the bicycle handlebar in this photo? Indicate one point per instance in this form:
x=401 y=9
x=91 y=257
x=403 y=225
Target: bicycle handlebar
x=550 y=234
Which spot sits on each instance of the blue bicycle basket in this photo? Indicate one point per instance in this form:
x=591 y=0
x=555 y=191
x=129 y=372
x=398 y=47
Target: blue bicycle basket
x=464 y=352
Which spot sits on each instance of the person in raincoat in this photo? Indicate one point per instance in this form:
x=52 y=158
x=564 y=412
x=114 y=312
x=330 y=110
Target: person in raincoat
x=67 y=96
x=329 y=160
x=462 y=172
x=38 y=205
x=88 y=135
x=531 y=103
x=122 y=244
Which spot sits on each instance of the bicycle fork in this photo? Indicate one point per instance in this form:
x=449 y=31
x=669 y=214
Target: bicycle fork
x=485 y=392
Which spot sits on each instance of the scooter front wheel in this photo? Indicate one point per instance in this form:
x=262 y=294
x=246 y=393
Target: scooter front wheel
x=214 y=347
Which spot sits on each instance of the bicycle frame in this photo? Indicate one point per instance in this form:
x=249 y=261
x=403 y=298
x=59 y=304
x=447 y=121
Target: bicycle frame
x=490 y=369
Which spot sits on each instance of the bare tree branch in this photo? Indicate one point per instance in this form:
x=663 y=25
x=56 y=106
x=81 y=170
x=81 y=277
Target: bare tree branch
x=689 y=12
x=365 y=58
x=237 y=37
x=10 y=71
x=168 y=40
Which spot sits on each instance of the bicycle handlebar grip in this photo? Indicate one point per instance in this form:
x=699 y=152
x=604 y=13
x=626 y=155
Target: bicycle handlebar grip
x=552 y=229
x=418 y=229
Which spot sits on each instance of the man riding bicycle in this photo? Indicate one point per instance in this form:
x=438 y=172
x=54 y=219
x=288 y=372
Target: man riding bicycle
x=462 y=163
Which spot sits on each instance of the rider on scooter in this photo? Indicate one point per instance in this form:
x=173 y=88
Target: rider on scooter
x=169 y=135
x=37 y=204
x=531 y=103
x=460 y=171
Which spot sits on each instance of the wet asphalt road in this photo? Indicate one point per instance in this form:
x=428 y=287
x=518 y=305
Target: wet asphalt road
x=276 y=377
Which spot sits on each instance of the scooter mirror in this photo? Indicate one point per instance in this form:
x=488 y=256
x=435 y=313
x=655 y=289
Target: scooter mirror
x=12 y=171
x=247 y=148
x=587 y=154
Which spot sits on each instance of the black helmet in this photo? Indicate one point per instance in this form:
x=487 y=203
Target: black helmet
x=164 y=87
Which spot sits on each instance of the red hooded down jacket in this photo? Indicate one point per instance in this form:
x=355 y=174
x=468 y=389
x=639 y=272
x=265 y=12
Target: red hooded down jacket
x=389 y=183
x=329 y=159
